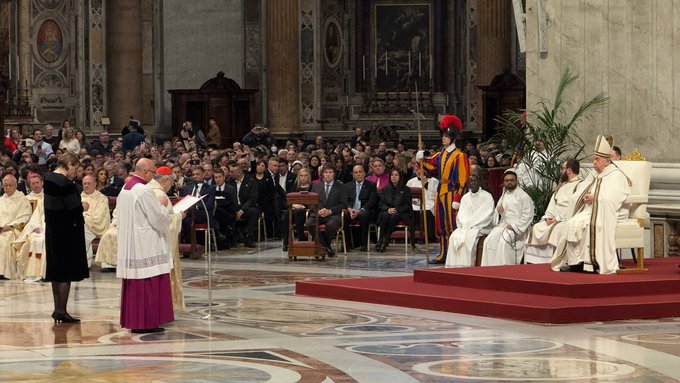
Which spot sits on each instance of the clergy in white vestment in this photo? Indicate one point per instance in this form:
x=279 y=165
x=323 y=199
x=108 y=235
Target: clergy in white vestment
x=16 y=211
x=144 y=261
x=473 y=220
x=161 y=184
x=30 y=244
x=589 y=241
x=546 y=233
x=515 y=211
x=97 y=216
x=107 y=251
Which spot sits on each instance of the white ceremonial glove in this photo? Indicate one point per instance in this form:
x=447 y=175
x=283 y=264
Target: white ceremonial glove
x=419 y=155
x=455 y=205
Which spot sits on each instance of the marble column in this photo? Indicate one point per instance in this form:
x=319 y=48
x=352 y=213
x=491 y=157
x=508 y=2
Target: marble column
x=124 y=61
x=24 y=39
x=283 y=73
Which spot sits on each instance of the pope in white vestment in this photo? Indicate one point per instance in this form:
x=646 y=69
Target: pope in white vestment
x=16 y=211
x=97 y=216
x=589 y=243
x=505 y=243
x=473 y=220
x=546 y=233
x=144 y=261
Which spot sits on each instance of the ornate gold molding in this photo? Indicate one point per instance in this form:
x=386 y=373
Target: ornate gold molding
x=634 y=156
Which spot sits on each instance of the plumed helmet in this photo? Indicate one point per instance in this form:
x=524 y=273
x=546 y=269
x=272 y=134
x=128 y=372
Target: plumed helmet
x=451 y=126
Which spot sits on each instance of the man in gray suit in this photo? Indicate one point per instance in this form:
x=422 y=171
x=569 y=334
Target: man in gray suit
x=332 y=200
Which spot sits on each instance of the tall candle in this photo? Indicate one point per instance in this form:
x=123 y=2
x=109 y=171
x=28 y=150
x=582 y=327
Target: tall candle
x=430 y=67
x=386 y=63
x=420 y=66
x=409 y=63
x=363 y=63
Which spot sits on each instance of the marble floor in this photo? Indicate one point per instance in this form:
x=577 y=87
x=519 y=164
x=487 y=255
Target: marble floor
x=262 y=332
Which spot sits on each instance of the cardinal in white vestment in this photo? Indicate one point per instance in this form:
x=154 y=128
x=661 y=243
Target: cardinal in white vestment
x=161 y=184
x=30 y=244
x=589 y=244
x=97 y=216
x=16 y=211
x=144 y=261
x=505 y=243
x=546 y=233
x=473 y=220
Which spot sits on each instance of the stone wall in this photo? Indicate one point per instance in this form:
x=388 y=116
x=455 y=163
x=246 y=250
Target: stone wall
x=626 y=48
x=199 y=39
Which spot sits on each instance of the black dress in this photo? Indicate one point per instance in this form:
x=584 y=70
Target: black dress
x=266 y=199
x=64 y=231
x=398 y=197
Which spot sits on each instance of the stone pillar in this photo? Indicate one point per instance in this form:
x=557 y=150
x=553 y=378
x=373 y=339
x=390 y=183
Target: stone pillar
x=283 y=73
x=124 y=61
x=24 y=39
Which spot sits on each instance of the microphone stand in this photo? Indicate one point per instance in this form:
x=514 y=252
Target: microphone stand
x=208 y=256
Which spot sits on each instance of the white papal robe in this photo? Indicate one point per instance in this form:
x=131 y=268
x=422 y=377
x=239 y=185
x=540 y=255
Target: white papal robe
x=590 y=233
x=107 y=251
x=473 y=220
x=543 y=238
x=15 y=211
x=30 y=245
x=97 y=219
x=504 y=246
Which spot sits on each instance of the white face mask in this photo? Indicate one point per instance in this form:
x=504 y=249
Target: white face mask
x=274 y=149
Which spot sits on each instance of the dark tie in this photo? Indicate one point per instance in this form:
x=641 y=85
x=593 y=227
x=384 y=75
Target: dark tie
x=328 y=189
x=196 y=192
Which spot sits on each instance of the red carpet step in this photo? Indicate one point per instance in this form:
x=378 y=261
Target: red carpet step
x=531 y=293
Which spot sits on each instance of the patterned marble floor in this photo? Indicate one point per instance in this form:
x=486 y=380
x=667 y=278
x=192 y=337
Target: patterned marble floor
x=262 y=332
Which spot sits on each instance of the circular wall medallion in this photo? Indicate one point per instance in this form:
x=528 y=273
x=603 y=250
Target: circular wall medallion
x=332 y=42
x=49 y=41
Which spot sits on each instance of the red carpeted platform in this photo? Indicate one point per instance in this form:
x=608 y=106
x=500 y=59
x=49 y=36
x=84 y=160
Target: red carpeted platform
x=531 y=293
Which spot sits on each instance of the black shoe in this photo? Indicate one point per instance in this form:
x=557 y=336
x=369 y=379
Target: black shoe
x=378 y=248
x=108 y=270
x=572 y=268
x=148 y=330
x=363 y=248
x=64 y=318
x=413 y=245
x=3 y=278
x=329 y=252
x=284 y=247
x=436 y=262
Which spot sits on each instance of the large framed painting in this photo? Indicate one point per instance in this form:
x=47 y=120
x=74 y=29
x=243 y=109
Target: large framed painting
x=402 y=46
x=49 y=41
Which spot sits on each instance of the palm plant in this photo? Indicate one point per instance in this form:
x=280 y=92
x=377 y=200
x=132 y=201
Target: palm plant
x=556 y=129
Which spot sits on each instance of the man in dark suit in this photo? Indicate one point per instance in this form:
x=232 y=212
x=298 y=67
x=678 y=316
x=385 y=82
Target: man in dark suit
x=332 y=200
x=284 y=181
x=363 y=206
x=115 y=183
x=225 y=210
x=198 y=188
x=246 y=201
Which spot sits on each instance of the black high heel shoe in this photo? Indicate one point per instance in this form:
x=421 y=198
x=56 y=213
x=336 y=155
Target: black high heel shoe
x=64 y=318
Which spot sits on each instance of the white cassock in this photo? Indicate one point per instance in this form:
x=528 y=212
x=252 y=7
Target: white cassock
x=107 y=251
x=30 y=244
x=142 y=230
x=473 y=220
x=526 y=169
x=430 y=193
x=173 y=246
x=97 y=219
x=610 y=190
x=504 y=246
x=543 y=238
x=15 y=212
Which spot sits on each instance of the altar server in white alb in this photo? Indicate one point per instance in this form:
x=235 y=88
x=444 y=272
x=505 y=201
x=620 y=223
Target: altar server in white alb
x=546 y=233
x=144 y=261
x=515 y=210
x=30 y=244
x=473 y=220
x=589 y=242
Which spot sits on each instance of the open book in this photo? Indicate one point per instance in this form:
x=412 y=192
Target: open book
x=185 y=203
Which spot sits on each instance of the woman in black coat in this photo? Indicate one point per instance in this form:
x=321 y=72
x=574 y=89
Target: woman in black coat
x=64 y=234
x=394 y=206
x=266 y=194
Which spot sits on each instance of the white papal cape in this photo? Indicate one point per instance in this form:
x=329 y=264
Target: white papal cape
x=543 y=238
x=474 y=219
x=504 y=246
x=590 y=233
x=142 y=230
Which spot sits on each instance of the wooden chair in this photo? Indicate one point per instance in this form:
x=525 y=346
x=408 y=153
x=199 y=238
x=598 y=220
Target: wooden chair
x=630 y=234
